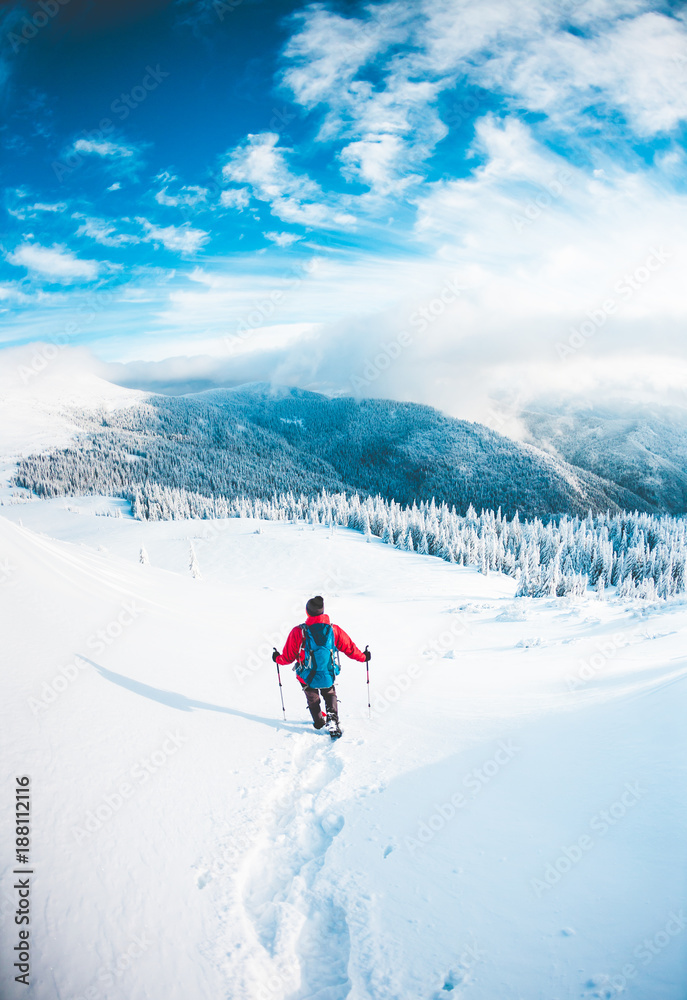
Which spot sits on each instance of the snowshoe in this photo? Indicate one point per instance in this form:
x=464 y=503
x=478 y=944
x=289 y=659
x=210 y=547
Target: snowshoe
x=333 y=727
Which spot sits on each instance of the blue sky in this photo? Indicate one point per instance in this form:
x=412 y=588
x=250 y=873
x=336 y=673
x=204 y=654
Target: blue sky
x=439 y=200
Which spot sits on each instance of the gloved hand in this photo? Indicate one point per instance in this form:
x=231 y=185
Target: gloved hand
x=275 y=654
x=367 y=654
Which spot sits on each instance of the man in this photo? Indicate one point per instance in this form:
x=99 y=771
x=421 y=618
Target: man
x=315 y=647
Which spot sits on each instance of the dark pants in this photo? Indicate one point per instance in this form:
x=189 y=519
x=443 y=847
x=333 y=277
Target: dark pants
x=312 y=696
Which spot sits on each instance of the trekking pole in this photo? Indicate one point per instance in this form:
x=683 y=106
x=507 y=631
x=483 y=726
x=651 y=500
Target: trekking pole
x=281 y=690
x=367 y=665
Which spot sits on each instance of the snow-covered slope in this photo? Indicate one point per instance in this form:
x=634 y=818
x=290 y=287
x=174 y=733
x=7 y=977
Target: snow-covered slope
x=260 y=439
x=639 y=445
x=40 y=387
x=508 y=824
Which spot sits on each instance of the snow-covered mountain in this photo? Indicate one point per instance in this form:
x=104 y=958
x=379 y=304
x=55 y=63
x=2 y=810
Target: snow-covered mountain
x=640 y=446
x=508 y=823
x=41 y=390
x=259 y=439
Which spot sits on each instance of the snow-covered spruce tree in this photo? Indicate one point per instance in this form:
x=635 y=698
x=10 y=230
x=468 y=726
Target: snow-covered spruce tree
x=635 y=554
x=143 y=557
x=193 y=563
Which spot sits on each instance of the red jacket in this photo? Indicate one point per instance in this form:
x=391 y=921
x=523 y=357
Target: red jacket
x=293 y=647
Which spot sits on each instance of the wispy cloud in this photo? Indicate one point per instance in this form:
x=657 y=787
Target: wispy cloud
x=334 y=63
x=636 y=66
x=179 y=239
x=261 y=163
x=58 y=206
x=237 y=198
x=56 y=263
x=25 y=211
x=103 y=148
x=104 y=232
x=188 y=195
x=11 y=293
x=530 y=150
x=283 y=239
x=375 y=79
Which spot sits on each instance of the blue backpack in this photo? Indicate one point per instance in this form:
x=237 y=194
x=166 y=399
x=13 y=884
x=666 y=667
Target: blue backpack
x=321 y=665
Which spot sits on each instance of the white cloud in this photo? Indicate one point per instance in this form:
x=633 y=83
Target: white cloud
x=295 y=198
x=103 y=232
x=40 y=206
x=376 y=78
x=542 y=246
x=259 y=292
x=282 y=239
x=55 y=263
x=535 y=242
x=11 y=291
x=178 y=239
x=519 y=255
x=261 y=163
x=114 y=187
x=31 y=211
x=329 y=51
x=235 y=198
x=102 y=148
x=189 y=195
x=393 y=125
x=637 y=66
x=377 y=160
x=162 y=198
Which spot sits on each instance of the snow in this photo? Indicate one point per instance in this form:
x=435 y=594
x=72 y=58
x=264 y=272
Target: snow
x=40 y=386
x=507 y=824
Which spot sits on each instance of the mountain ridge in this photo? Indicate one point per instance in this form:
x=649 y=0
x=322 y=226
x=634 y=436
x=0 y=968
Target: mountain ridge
x=259 y=439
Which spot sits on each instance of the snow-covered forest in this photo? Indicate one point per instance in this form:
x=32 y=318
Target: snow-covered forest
x=639 y=554
x=373 y=468
x=260 y=440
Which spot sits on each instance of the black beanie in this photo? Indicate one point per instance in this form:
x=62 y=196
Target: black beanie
x=315 y=607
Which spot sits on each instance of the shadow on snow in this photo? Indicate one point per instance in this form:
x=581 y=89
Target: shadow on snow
x=181 y=702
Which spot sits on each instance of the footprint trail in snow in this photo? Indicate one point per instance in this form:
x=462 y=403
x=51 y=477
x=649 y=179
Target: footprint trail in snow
x=296 y=936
